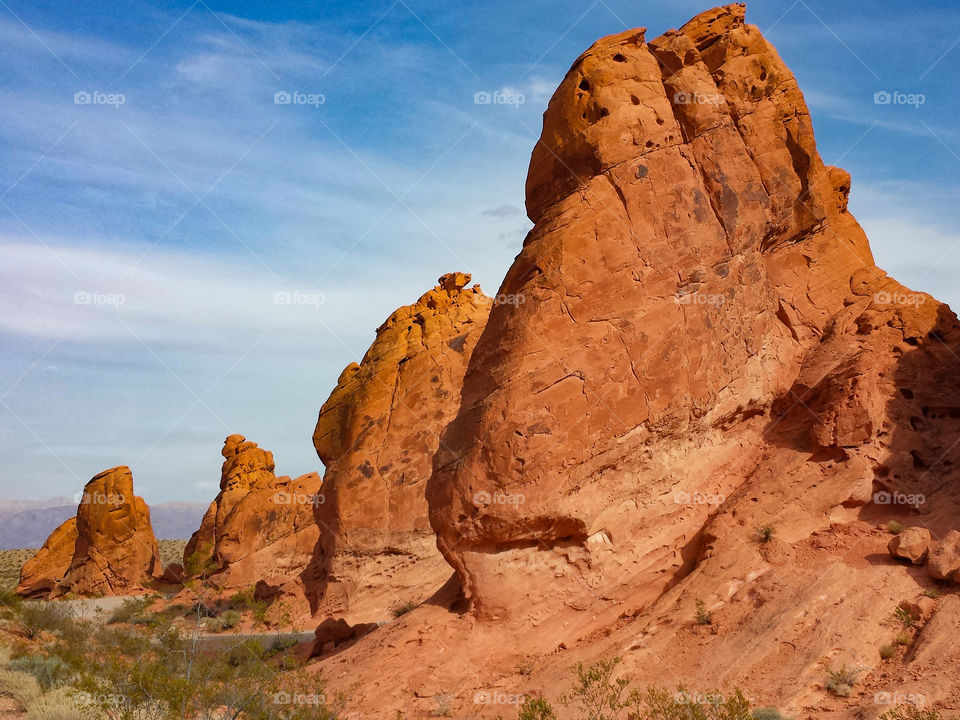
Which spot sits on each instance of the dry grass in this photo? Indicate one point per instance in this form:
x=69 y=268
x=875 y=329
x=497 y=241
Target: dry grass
x=10 y=563
x=171 y=551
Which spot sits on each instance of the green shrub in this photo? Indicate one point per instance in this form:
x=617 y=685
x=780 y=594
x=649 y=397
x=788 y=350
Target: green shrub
x=536 y=709
x=704 y=616
x=905 y=617
x=840 y=682
x=40 y=616
x=769 y=713
x=764 y=533
x=130 y=610
x=50 y=671
x=22 y=687
x=596 y=692
x=61 y=704
x=658 y=704
x=931 y=592
x=894 y=528
x=403 y=608
x=903 y=639
x=910 y=712
x=229 y=620
x=888 y=652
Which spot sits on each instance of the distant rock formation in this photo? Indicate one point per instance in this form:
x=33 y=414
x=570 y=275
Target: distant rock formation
x=108 y=549
x=376 y=434
x=260 y=530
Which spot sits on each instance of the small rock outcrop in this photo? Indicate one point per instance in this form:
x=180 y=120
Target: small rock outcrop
x=259 y=531
x=376 y=435
x=42 y=573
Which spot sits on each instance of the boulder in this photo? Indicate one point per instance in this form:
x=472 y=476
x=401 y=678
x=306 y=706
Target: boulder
x=912 y=544
x=336 y=632
x=944 y=562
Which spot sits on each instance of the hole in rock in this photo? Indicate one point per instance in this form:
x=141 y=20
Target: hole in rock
x=619 y=58
x=907 y=393
x=584 y=84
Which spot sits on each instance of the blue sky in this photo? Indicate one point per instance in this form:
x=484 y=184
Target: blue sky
x=143 y=244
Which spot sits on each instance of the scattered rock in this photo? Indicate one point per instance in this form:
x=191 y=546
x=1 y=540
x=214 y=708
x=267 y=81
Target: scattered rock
x=912 y=544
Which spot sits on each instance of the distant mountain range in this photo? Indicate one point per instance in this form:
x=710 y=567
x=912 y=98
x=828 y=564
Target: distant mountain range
x=27 y=523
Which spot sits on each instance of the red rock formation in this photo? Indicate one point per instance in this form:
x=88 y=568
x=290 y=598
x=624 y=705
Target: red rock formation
x=376 y=434
x=116 y=552
x=259 y=531
x=42 y=573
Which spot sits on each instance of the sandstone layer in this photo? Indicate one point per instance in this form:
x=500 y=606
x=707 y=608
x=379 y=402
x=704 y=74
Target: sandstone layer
x=376 y=434
x=259 y=532
x=709 y=404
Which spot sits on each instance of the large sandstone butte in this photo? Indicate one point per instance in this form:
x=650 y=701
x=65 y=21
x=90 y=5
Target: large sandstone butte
x=705 y=348
x=259 y=530
x=108 y=549
x=376 y=435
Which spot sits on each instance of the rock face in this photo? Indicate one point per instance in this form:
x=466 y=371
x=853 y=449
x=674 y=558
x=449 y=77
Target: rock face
x=699 y=309
x=945 y=558
x=41 y=575
x=376 y=434
x=116 y=552
x=259 y=531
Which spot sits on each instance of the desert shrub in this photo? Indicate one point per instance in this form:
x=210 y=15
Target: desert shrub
x=764 y=533
x=9 y=599
x=131 y=610
x=894 y=528
x=840 y=682
x=768 y=713
x=536 y=709
x=443 y=706
x=34 y=618
x=931 y=592
x=50 y=671
x=61 y=704
x=658 y=704
x=403 y=608
x=228 y=620
x=910 y=712
x=888 y=652
x=703 y=616
x=22 y=687
x=905 y=617
x=903 y=638
x=596 y=692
